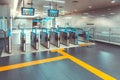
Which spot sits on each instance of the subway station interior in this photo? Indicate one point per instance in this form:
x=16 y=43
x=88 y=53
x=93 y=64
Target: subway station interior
x=59 y=39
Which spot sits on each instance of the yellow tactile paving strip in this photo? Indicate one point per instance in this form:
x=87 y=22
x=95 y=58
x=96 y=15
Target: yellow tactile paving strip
x=85 y=44
x=32 y=63
x=65 y=55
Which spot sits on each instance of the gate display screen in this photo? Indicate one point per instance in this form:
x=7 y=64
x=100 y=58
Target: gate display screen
x=27 y=11
x=53 y=13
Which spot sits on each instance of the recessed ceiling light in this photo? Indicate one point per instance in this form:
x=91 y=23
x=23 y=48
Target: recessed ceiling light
x=75 y=10
x=68 y=17
x=63 y=12
x=113 y=1
x=85 y=13
x=112 y=13
x=47 y=6
x=109 y=9
x=57 y=1
x=84 y=17
x=90 y=6
x=103 y=15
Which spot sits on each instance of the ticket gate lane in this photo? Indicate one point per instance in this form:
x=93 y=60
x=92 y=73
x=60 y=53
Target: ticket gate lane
x=8 y=42
x=23 y=42
x=73 y=38
x=45 y=38
x=34 y=39
x=64 y=38
x=55 y=38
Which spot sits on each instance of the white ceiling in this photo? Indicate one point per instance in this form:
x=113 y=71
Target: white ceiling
x=7 y=2
x=80 y=6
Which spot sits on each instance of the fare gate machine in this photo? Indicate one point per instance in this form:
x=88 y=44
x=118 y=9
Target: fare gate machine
x=23 y=40
x=8 y=42
x=73 y=36
x=34 y=39
x=86 y=36
x=64 y=36
x=83 y=35
x=55 y=37
x=45 y=38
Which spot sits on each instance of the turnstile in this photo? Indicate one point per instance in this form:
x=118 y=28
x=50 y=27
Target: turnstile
x=73 y=35
x=55 y=37
x=45 y=38
x=8 y=42
x=73 y=38
x=64 y=36
x=86 y=35
x=34 y=39
x=83 y=35
x=23 y=41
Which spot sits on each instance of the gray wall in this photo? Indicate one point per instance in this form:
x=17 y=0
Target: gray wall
x=22 y=23
x=4 y=10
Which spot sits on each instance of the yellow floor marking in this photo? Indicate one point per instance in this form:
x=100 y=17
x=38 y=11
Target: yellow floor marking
x=85 y=44
x=88 y=67
x=25 y=64
x=55 y=50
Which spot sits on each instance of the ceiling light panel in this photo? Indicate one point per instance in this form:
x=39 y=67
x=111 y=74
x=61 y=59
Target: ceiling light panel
x=57 y=1
x=113 y=1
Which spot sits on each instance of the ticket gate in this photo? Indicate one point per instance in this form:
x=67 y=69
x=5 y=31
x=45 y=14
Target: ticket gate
x=23 y=41
x=64 y=36
x=83 y=35
x=86 y=36
x=34 y=39
x=8 y=42
x=45 y=38
x=73 y=36
x=54 y=37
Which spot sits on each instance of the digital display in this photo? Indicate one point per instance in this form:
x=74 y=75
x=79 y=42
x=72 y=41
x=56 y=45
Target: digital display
x=53 y=13
x=27 y=11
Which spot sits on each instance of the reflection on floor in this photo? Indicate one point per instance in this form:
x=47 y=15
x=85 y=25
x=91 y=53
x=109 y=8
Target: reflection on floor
x=57 y=70
x=1 y=46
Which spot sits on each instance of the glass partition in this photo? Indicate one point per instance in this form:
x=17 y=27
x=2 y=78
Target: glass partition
x=108 y=34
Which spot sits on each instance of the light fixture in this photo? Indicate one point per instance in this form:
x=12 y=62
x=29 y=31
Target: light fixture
x=47 y=6
x=75 y=10
x=113 y=1
x=112 y=13
x=86 y=13
x=63 y=11
x=68 y=17
x=90 y=6
x=84 y=17
x=57 y=1
x=109 y=9
x=103 y=15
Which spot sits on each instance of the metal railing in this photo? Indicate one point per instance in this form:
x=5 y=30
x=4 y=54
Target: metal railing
x=109 y=35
